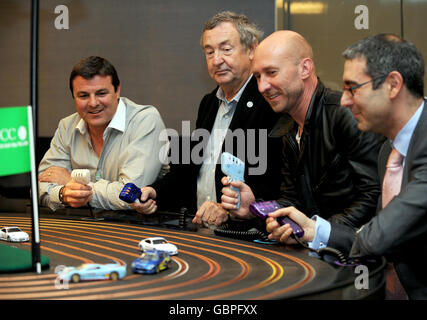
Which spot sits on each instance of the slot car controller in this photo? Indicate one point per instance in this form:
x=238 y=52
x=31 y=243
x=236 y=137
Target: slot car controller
x=130 y=193
x=81 y=176
x=263 y=208
x=234 y=168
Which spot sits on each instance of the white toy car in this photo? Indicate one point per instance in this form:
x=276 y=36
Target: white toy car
x=13 y=234
x=158 y=243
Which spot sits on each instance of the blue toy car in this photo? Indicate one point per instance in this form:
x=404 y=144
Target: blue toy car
x=151 y=261
x=92 y=271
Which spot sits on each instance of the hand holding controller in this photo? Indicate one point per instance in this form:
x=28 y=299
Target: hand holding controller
x=130 y=193
x=234 y=168
x=263 y=208
x=81 y=176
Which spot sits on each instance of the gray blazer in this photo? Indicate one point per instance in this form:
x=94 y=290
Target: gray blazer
x=399 y=231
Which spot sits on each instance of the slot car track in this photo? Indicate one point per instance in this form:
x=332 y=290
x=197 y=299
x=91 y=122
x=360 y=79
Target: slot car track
x=207 y=267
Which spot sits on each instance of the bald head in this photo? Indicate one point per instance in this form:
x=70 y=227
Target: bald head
x=284 y=69
x=288 y=44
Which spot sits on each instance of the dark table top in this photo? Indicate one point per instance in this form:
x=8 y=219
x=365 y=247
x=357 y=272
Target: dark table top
x=208 y=266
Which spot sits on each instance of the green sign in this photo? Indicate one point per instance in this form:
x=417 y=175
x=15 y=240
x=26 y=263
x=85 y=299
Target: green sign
x=14 y=141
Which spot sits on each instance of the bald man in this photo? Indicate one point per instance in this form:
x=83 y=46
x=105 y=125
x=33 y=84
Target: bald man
x=329 y=167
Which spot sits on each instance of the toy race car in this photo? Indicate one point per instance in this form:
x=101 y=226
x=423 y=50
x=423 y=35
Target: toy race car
x=151 y=261
x=13 y=234
x=93 y=271
x=158 y=243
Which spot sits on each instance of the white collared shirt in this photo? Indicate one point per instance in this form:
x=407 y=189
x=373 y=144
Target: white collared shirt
x=130 y=154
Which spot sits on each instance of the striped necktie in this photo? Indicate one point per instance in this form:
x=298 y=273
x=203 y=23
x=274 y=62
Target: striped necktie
x=393 y=177
x=391 y=187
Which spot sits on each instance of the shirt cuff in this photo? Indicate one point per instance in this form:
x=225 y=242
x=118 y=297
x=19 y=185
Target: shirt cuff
x=93 y=202
x=54 y=195
x=321 y=234
x=52 y=200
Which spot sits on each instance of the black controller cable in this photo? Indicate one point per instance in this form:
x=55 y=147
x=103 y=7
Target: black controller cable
x=240 y=232
x=248 y=235
x=324 y=251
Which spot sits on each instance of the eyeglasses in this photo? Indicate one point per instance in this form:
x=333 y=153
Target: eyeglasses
x=352 y=89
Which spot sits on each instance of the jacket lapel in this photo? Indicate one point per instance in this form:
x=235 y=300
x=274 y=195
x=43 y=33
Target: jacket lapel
x=242 y=112
x=417 y=142
x=247 y=101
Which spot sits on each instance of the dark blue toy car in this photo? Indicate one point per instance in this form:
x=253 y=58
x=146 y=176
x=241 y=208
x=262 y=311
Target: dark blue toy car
x=151 y=261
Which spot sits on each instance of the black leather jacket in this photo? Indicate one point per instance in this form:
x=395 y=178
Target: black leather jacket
x=334 y=171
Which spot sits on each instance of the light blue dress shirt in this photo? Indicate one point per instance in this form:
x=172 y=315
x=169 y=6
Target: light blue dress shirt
x=401 y=144
x=206 y=190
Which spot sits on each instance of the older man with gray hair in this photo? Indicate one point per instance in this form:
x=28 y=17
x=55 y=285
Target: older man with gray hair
x=228 y=41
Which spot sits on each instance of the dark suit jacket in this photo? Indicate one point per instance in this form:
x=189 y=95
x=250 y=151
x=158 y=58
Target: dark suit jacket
x=399 y=231
x=178 y=188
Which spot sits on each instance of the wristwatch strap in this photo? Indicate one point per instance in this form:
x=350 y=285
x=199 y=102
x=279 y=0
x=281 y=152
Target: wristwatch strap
x=61 y=195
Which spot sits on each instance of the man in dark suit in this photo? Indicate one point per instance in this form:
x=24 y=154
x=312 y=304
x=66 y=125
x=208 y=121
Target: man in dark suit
x=384 y=89
x=228 y=41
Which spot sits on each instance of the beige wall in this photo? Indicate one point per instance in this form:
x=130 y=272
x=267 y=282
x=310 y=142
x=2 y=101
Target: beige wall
x=154 y=45
x=329 y=25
